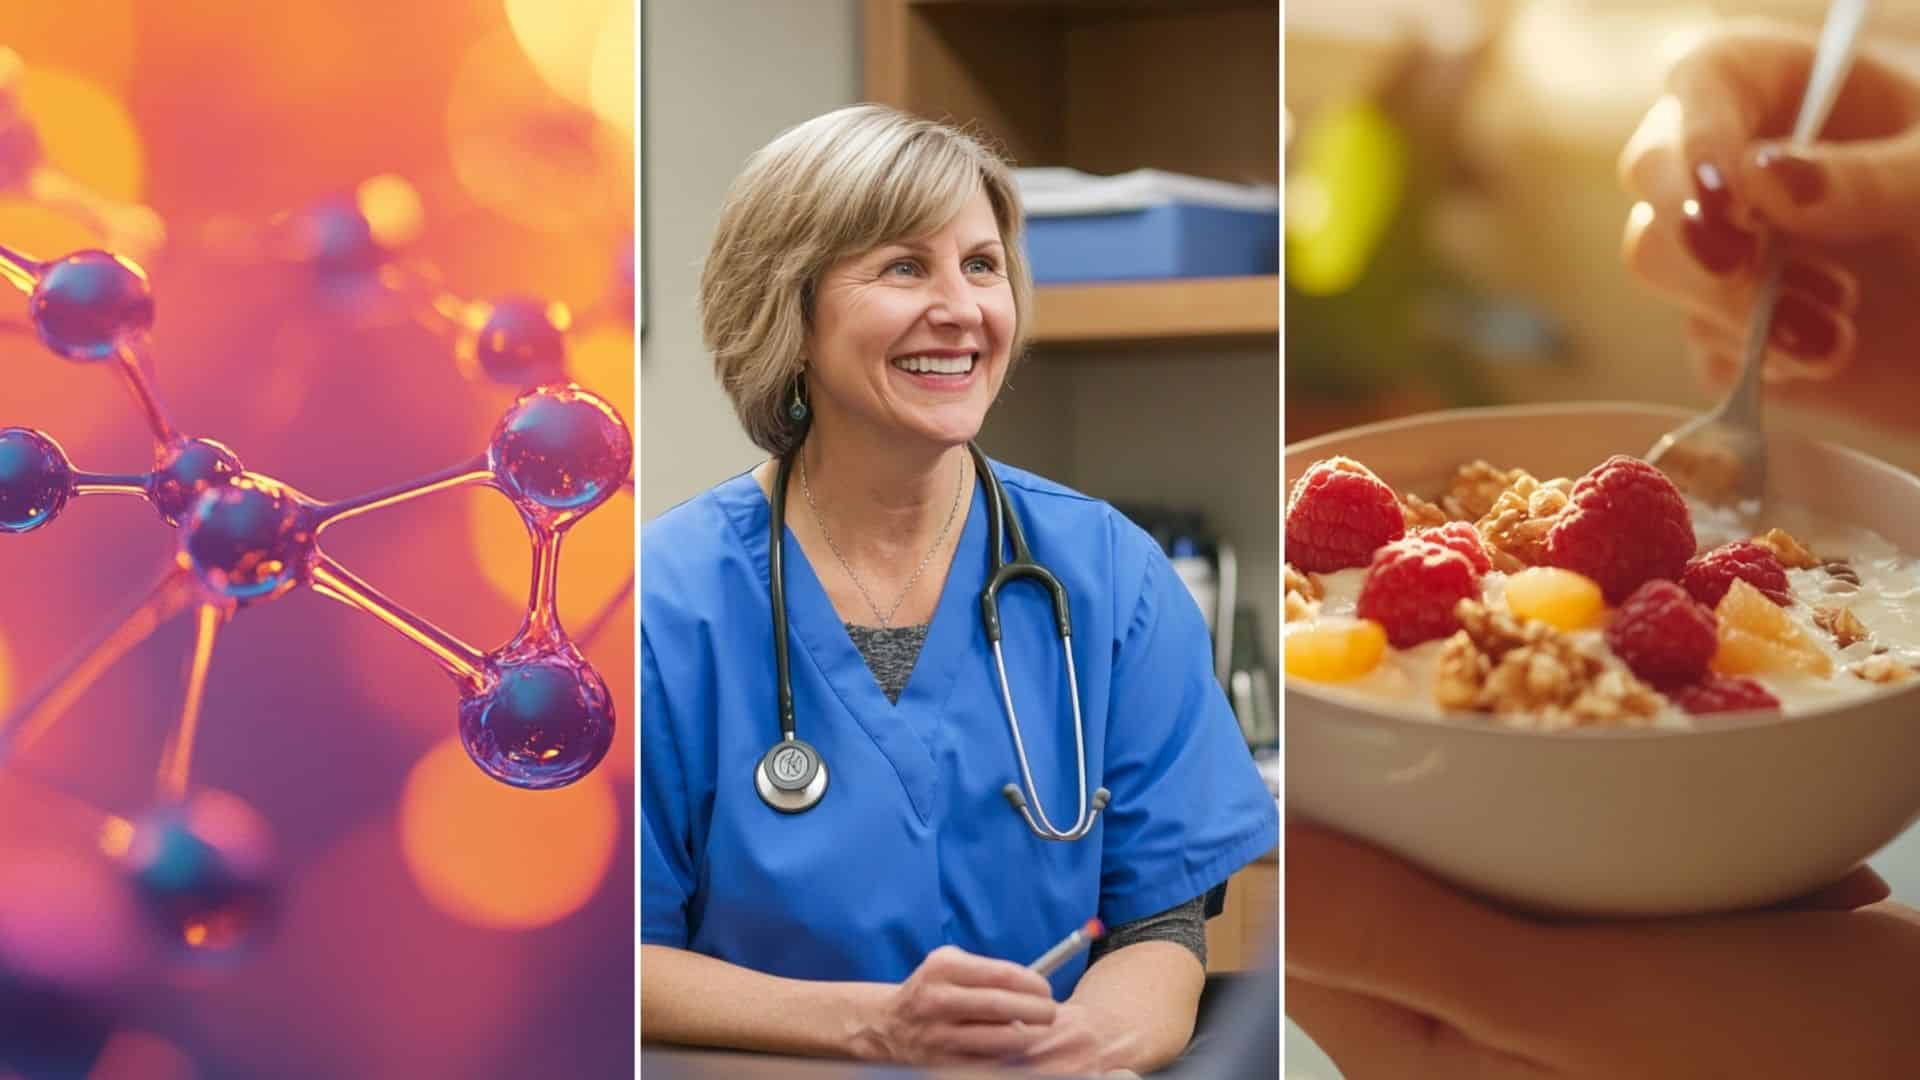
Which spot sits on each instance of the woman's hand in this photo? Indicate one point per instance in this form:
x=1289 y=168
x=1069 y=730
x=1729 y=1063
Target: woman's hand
x=1712 y=170
x=1083 y=1040
x=959 y=1007
x=1397 y=975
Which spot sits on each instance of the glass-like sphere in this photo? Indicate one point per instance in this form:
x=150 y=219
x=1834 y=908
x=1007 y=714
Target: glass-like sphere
x=334 y=237
x=90 y=303
x=544 y=720
x=36 y=479
x=519 y=343
x=249 y=540
x=559 y=452
x=184 y=471
x=204 y=872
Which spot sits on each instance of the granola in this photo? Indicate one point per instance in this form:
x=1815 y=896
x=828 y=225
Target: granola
x=1842 y=623
x=1532 y=675
x=1515 y=526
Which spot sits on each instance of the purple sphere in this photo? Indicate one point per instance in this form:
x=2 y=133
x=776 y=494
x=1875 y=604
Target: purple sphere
x=185 y=471
x=249 y=540
x=519 y=345
x=559 y=452
x=544 y=720
x=36 y=480
x=91 y=303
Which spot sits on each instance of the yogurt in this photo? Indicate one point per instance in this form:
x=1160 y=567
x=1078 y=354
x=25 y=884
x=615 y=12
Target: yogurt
x=1886 y=600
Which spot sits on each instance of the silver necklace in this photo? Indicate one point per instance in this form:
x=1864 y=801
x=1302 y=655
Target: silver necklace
x=886 y=619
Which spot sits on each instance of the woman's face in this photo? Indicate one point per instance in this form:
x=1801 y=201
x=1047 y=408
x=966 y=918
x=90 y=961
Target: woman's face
x=911 y=340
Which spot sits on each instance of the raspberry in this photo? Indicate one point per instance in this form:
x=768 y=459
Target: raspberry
x=1708 y=574
x=1625 y=524
x=1411 y=590
x=1462 y=537
x=1338 y=515
x=1720 y=693
x=1663 y=635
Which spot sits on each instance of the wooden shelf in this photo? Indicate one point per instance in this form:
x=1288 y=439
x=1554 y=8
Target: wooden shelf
x=1212 y=310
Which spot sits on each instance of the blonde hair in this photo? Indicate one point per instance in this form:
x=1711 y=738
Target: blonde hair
x=835 y=186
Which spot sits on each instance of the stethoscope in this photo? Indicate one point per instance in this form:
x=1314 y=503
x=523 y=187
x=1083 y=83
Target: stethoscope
x=791 y=776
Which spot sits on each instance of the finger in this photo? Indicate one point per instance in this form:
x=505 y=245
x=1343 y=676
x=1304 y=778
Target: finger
x=1652 y=166
x=951 y=964
x=1367 y=1037
x=1835 y=191
x=1823 y=342
x=1362 y=921
x=982 y=1042
x=1858 y=889
x=954 y=1003
x=1825 y=293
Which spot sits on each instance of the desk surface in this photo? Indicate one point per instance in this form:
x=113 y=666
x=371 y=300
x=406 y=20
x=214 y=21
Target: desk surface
x=686 y=1063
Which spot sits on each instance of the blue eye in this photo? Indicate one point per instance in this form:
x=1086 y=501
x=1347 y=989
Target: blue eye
x=980 y=264
x=903 y=264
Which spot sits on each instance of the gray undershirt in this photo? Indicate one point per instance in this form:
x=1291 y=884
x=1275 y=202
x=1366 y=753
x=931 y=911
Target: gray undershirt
x=890 y=652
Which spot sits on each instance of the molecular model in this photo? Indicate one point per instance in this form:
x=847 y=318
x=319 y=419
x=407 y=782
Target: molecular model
x=353 y=247
x=532 y=713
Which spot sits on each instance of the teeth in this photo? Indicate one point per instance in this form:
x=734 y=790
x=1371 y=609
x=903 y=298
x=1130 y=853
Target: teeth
x=935 y=365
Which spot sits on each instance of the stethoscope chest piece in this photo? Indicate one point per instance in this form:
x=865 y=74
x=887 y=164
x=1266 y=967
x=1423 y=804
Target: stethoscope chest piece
x=791 y=777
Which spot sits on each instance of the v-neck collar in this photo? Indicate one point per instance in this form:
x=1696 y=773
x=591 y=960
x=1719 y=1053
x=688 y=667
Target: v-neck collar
x=909 y=731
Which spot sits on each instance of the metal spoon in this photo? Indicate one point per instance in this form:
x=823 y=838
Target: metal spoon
x=1728 y=443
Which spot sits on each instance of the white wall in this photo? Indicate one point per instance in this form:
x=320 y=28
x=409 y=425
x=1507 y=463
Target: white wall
x=722 y=78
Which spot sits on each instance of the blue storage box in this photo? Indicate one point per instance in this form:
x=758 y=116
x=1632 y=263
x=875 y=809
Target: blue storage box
x=1171 y=240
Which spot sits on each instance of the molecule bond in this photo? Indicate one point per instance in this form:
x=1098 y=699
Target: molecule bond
x=532 y=713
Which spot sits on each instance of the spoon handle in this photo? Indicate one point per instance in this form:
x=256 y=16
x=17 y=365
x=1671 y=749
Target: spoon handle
x=1832 y=58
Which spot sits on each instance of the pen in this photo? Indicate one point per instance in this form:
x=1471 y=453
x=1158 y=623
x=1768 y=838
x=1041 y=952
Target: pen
x=1092 y=931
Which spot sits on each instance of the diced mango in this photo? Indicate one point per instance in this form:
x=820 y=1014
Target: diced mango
x=1335 y=651
x=1758 y=637
x=1560 y=598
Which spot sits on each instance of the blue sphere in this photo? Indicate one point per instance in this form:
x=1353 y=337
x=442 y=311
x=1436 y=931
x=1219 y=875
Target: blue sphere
x=91 y=303
x=204 y=872
x=334 y=237
x=249 y=540
x=36 y=480
x=559 y=452
x=544 y=720
x=184 y=471
x=518 y=345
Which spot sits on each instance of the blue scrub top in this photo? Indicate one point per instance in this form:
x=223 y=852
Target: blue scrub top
x=913 y=845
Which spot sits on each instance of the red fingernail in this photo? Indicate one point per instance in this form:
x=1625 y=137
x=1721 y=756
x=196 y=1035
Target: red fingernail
x=1817 y=282
x=1804 y=181
x=1707 y=224
x=1711 y=191
x=1716 y=242
x=1803 y=327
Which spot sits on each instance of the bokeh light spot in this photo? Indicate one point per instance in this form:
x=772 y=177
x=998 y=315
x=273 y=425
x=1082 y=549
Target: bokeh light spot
x=392 y=208
x=495 y=856
x=85 y=131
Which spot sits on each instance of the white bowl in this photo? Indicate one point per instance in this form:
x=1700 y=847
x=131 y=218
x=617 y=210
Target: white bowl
x=1735 y=813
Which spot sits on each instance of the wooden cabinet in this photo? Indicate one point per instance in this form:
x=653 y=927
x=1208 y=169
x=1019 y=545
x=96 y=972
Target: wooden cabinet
x=1190 y=86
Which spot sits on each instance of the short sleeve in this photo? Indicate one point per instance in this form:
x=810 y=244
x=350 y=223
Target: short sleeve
x=1188 y=805
x=666 y=844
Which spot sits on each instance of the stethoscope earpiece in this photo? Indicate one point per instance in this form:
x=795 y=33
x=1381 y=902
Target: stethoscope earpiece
x=791 y=777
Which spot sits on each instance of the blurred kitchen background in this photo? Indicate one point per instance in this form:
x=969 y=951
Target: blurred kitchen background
x=429 y=922
x=1453 y=223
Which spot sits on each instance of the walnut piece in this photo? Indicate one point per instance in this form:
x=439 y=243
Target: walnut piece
x=1515 y=527
x=1418 y=513
x=1842 y=623
x=1789 y=551
x=1302 y=594
x=1880 y=669
x=1530 y=675
x=1474 y=488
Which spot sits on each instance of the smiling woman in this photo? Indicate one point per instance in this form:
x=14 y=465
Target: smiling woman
x=864 y=298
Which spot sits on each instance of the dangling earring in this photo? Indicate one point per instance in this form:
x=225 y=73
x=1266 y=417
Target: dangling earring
x=798 y=410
